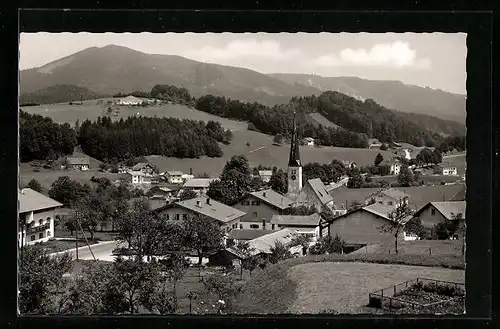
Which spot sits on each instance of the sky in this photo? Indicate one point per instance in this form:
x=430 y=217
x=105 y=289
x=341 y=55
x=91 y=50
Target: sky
x=435 y=60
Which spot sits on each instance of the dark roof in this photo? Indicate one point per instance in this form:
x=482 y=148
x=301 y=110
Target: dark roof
x=77 y=161
x=447 y=208
x=31 y=200
x=310 y=220
x=320 y=190
x=247 y=234
x=294 y=160
x=273 y=198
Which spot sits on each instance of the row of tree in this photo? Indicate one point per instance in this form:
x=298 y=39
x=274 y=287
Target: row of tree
x=140 y=136
x=43 y=139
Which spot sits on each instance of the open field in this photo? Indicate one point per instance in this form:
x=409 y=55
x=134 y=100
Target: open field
x=344 y=287
x=425 y=178
x=92 y=109
x=262 y=151
x=60 y=245
x=418 y=247
x=457 y=160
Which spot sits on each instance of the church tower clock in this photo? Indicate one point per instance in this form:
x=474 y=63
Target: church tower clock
x=294 y=165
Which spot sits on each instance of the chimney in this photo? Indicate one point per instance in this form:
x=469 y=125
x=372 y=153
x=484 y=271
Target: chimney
x=198 y=203
x=208 y=200
x=190 y=171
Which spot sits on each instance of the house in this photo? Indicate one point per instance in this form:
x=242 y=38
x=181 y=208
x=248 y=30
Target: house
x=349 y=164
x=174 y=177
x=404 y=153
x=144 y=167
x=309 y=141
x=227 y=217
x=374 y=143
x=82 y=163
x=362 y=226
x=36 y=217
x=129 y=100
x=186 y=177
x=394 y=166
x=200 y=185
x=303 y=225
x=448 y=169
x=314 y=193
x=389 y=197
x=260 y=206
x=265 y=175
x=342 y=182
x=238 y=236
x=436 y=212
x=136 y=177
x=163 y=192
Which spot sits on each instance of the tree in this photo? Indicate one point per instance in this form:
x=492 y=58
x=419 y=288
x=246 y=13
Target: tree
x=202 y=234
x=436 y=156
x=397 y=221
x=41 y=280
x=279 y=181
x=405 y=177
x=300 y=210
x=279 y=252
x=414 y=226
x=67 y=191
x=160 y=301
x=425 y=157
x=301 y=240
x=34 y=185
x=356 y=180
x=188 y=194
x=93 y=210
x=248 y=261
x=383 y=147
x=328 y=244
x=223 y=287
x=235 y=181
x=278 y=139
x=378 y=159
x=459 y=219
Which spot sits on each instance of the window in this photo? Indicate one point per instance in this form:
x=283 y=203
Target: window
x=167 y=216
x=241 y=226
x=177 y=216
x=254 y=225
x=389 y=203
x=48 y=219
x=380 y=202
x=32 y=238
x=48 y=233
x=40 y=222
x=433 y=211
x=40 y=236
x=254 y=215
x=272 y=226
x=294 y=172
x=184 y=216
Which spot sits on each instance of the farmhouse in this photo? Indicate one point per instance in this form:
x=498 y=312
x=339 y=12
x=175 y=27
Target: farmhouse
x=265 y=175
x=82 y=164
x=436 y=212
x=163 y=192
x=145 y=168
x=136 y=178
x=227 y=217
x=174 y=177
x=259 y=207
x=374 y=143
x=186 y=177
x=332 y=186
x=315 y=193
x=200 y=185
x=129 y=100
x=362 y=226
x=448 y=169
x=309 y=141
x=303 y=225
x=349 y=164
x=36 y=217
x=389 y=197
x=394 y=165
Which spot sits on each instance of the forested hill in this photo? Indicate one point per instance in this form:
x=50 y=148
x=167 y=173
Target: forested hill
x=59 y=94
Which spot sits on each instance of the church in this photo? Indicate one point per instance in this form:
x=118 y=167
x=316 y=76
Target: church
x=313 y=192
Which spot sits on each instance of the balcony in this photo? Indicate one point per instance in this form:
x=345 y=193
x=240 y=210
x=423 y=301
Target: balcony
x=39 y=228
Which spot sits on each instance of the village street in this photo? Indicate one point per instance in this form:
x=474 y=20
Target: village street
x=102 y=251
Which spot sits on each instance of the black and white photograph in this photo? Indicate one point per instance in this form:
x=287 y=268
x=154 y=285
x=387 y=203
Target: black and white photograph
x=242 y=173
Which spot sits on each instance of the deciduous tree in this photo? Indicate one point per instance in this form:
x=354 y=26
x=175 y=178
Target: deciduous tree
x=202 y=234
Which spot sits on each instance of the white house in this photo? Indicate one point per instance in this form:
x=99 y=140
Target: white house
x=374 y=143
x=307 y=226
x=395 y=166
x=200 y=185
x=309 y=141
x=136 y=177
x=174 y=177
x=265 y=175
x=82 y=164
x=36 y=217
x=129 y=100
x=449 y=170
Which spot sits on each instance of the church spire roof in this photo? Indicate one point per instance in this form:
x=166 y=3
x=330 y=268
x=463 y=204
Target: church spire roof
x=294 y=160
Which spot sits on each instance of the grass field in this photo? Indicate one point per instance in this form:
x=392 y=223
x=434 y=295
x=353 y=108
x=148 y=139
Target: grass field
x=92 y=109
x=61 y=245
x=344 y=287
x=458 y=161
x=418 y=247
x=262 y=151
x=426 y=178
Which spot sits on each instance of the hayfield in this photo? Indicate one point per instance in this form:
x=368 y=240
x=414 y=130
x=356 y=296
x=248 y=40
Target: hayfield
x=425 y=178
x=92 y=109
x=458 y=161
x=262 y=151
x=344 y=287
x=418 y=247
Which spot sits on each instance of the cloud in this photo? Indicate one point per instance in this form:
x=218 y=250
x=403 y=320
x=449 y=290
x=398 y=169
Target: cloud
x=244 y=49
x=396 y=55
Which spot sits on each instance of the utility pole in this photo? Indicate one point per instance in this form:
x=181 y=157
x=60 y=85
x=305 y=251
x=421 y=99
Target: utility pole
x=77 y=213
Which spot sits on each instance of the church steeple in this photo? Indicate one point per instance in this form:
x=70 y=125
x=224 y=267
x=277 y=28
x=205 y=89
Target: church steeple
x=294 y=160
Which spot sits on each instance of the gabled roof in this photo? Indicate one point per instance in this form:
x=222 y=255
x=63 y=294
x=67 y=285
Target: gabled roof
x=247 y=234
x=130 y=98
x=310 y=220
x=198 y=182
x=320 y=190
x=141 y=165
x=273 y=198
x=264 y=243
x=379 y=210
x=373 y=141
x=447 y=208
x=135 y=173
x=309 y=139
x=215 y=210
x=174 y=173
x=31 y=200
x=332 y=186
x=78 y=161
